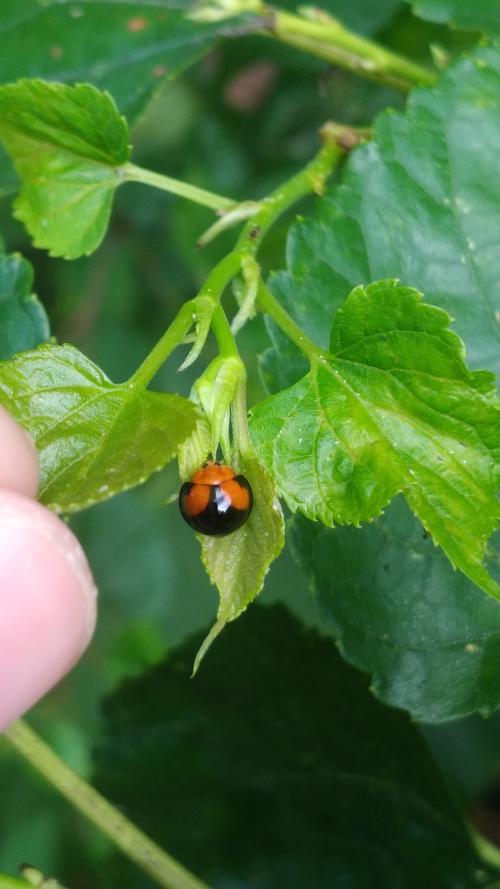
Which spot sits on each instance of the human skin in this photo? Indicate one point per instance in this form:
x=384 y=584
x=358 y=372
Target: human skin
x=47 y=594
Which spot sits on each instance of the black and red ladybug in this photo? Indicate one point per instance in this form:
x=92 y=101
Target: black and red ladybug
x=216 y=501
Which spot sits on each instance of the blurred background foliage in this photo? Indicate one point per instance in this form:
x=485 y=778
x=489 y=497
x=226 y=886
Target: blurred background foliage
x=240 y=121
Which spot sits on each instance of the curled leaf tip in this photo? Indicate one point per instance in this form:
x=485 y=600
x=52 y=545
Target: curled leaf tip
x=207 y=642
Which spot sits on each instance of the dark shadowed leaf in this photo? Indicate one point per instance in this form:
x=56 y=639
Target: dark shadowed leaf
x=121 y=46
x=253 y=786
x=23 y=322
x=429 y=638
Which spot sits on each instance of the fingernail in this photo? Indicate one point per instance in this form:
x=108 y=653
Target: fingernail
x=47 y=603
x=18 y=457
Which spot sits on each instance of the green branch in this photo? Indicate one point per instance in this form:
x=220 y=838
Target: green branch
x=173 y=336
x=223 y=334
x=311 y=179
x=132 y=173
x=133 y=842
x=316 y=32
x=322 y=36
x=270 y=305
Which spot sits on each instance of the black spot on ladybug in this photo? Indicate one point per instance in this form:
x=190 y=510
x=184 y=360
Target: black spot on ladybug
x=216 y=501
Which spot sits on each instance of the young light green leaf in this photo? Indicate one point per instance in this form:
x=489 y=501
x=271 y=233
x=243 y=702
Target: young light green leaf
x=94 y=438
x=23 y=322
x=326 y=788
x=195 y=450
x=67 y=144
x=236 y=564
x=467 y=15
x=393 y=410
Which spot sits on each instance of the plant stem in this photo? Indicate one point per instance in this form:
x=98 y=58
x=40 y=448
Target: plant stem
x=132 y=173
x=223 y=333
x=132 y=841
x=220 y=276
x=310 y=179
x=326 y=38
x=270 y=305
x=172 y=337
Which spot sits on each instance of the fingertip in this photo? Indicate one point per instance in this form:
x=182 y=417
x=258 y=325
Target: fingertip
x=19 y=469
x=47 y=603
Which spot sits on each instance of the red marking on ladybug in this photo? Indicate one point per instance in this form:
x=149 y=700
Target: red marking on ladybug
x=216 y=501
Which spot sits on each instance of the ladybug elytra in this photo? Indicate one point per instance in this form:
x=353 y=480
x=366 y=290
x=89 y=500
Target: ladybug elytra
x=216 y=501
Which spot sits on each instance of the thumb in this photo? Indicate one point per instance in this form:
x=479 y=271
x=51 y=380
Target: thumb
x=47 y=595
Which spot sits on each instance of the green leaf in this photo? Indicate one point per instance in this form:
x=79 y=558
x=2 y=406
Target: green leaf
x=429 y=638
x=67 y=144
x=322 y=787
x=395 y=409
x=94 y=438
x=237 y=564
x=122 y=46
x=23 y=322
x=411 y=204
x=467 y=15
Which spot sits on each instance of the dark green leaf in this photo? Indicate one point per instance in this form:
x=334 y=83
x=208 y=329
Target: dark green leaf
x=67 y=144
x=468 y=15
x=250 y=785
x=122 y=46
x=94 y=438
x=23 y=322
x=429 y=637
x=412 y=204
x=394 y=409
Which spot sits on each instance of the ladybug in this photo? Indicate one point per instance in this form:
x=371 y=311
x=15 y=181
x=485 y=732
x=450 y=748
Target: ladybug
x=216 y=501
